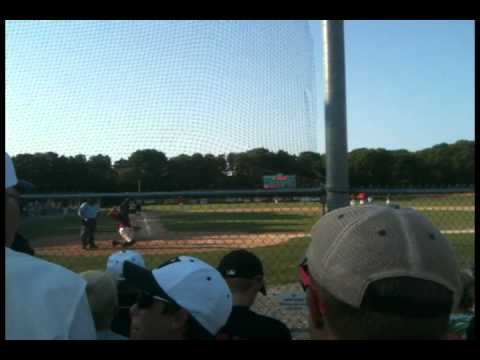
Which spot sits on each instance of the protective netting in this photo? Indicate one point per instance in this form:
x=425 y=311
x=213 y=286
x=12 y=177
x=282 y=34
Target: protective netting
x=114 y=87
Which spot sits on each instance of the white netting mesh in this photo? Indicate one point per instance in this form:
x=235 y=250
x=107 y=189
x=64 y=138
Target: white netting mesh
x=113 y=87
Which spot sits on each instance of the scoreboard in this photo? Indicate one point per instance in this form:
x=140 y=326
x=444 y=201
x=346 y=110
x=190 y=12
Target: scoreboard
x=279 y=182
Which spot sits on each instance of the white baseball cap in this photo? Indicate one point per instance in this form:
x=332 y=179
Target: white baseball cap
x=116 y=260
x=190 y=283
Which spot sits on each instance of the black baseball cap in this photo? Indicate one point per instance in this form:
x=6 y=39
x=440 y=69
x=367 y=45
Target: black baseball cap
x=241 y=264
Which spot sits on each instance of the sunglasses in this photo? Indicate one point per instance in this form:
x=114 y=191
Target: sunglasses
x=146 y=300
x=304 y=276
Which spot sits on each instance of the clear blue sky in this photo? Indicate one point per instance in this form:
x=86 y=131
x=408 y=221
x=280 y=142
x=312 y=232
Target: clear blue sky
x=410 y=84
x=112 y=88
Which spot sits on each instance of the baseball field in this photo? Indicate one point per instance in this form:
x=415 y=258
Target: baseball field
x=277 y=233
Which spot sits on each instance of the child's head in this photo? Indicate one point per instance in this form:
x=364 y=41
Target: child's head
x=468 y=293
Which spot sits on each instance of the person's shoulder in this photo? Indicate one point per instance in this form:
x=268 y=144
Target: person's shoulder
x=20 y=262
x=273 y=324
x=109 y=335
x=247 y=324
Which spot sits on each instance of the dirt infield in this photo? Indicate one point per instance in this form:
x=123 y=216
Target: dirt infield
x=154 y=239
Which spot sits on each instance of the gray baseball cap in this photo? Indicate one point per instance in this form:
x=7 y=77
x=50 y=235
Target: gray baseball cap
x=352 y=247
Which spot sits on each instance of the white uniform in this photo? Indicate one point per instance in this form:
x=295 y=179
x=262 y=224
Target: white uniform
x=44 y=301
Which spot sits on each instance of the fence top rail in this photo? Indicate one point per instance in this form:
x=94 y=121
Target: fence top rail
x=182 y=194
x=319 y=192
x=408 y=191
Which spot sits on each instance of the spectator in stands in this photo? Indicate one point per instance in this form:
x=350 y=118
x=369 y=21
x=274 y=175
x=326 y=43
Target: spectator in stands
x=185 y=298
x=127 y=294
x=243 y=272
x=125 y=208
x=464 y=313
x=138 y=207
x=103 y=299
x=376 y=272
x=43 y=301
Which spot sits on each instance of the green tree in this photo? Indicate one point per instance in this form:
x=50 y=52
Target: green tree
x=150 y=167
x=101 y=174
x=310 y=169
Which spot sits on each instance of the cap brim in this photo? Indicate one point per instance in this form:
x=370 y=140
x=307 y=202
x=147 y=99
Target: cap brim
x=24 y=186
x=143 y=279
x=263 y=290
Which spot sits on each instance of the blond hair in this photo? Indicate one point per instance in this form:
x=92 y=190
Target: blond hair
x=102 y=296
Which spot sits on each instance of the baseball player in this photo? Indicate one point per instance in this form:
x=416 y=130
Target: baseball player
x=89 y=214
x=125 y=229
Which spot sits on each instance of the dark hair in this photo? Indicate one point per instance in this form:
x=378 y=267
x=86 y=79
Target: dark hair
x=22 y=244
x=468 y=290
x=195 y=331
x=397 y=308
x=240 y=285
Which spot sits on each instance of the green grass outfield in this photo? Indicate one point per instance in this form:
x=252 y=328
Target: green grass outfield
x=251 y=222
x=402 y=200
x=227 y=222
x=61 y=225
x=280 y=261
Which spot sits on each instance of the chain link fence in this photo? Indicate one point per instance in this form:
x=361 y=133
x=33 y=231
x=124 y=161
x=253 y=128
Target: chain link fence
x=274 y=225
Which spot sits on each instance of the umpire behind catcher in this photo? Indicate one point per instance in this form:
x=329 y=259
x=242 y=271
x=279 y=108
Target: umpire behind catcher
x=89 y=214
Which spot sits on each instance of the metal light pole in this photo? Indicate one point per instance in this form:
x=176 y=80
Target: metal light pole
x=335 y=115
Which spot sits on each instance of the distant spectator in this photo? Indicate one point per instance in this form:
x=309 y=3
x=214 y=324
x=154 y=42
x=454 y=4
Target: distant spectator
x=243 y=272
x=43 y=301
x=352 y=200
x=183 y=299
x=138 y=207
x=463 y=315
x=127 y=294
x=103 y=299
x=89 y=213
x=375 y=272
x=125 y=207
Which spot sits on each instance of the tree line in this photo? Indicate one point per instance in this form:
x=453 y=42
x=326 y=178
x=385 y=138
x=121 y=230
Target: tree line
x=440 y=165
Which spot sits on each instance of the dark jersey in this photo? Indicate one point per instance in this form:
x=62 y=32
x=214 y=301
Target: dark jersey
x=246 y=324
x=123 y=221
x=126 y=298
